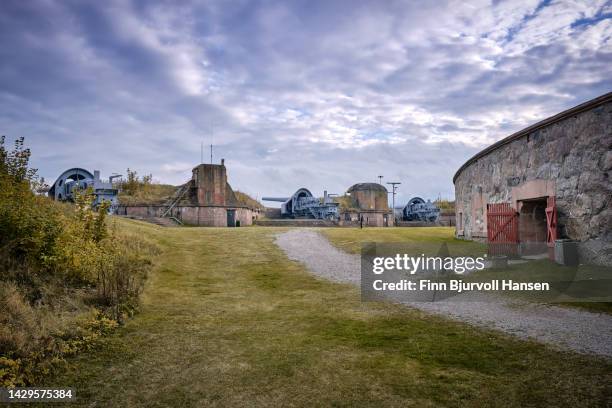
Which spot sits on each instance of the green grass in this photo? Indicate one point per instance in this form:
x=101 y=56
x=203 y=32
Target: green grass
x=149 y=194
x=585 y=286
x=350 y=239
x=228 y=320
x=428 y=239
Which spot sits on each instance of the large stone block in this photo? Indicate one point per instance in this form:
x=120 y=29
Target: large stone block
x=606 y=161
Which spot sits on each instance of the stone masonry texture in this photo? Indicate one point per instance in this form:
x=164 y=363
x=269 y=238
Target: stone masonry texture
x=570 y=157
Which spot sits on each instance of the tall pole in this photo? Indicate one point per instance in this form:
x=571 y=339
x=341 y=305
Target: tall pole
x=212 y=136
x=394 y=185
x=202 y=152
x=380 y=179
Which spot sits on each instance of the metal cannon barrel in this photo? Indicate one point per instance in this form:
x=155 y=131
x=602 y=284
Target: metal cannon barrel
x=279 y=199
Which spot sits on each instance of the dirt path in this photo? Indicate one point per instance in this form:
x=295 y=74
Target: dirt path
x=573 y=329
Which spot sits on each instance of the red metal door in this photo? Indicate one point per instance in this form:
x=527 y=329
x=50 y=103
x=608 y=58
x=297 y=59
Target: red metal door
x=551 y=222
x=502 y=229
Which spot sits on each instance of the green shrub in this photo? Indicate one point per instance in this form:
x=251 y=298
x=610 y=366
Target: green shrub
x=346 y=202
x=445 y=205
x=65 y=277
x=247 y=200
x=29 y=226
x=143 y=190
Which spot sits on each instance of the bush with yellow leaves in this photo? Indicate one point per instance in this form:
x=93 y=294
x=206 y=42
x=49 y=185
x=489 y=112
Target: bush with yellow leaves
x=66 y=278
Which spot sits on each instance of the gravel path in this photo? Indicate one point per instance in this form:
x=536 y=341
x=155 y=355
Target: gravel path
x=574 y=329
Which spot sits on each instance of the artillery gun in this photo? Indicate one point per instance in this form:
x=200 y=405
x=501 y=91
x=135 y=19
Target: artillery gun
x=419 y=210
x=77 y=178
x=302 y=204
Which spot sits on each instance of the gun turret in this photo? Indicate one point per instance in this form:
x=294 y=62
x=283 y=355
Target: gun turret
x=302 y=204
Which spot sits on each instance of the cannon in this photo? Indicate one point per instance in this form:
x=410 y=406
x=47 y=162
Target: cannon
x=78 y=178
x=419 y=210
x=302 y=204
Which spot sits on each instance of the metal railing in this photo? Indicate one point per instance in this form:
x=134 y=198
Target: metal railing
x=177 y=197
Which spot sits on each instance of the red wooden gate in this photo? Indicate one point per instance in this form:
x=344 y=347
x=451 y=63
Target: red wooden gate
x=551 y=222
x=551 y=226
x=502 y=229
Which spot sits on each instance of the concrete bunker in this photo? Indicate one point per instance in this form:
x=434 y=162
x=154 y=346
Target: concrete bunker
x=205 y=200
x=368 y=205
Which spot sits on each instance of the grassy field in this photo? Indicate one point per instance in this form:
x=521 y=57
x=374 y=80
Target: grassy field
x=350 y=239
x=228 y=320
x=429 y=239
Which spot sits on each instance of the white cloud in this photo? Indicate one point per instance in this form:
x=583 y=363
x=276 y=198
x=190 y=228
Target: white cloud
x=324 y=94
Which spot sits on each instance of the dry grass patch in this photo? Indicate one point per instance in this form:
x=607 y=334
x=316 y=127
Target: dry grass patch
x=228 y=320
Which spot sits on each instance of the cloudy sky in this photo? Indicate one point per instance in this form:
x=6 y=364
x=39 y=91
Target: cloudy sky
x=320 y=94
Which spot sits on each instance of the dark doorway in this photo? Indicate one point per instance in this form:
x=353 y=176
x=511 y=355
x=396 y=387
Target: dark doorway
x=231 y=218
x=532 y=226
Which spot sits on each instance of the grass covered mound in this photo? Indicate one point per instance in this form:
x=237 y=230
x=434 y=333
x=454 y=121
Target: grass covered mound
x=143 y=190
x=248 y=201
x=151 y=194
x=136 y=190
x=65 y=277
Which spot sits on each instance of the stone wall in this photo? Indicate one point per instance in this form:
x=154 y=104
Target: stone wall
x=141 y=211
x=193 y=215
x=296 y=222
x=447 y=219
x=272 y=213
x=568 y=156
x=370 y=218
x=213 y=216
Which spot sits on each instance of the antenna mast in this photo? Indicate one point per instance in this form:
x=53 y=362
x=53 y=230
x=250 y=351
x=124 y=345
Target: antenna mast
x=394 y=185
x=212 y=134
